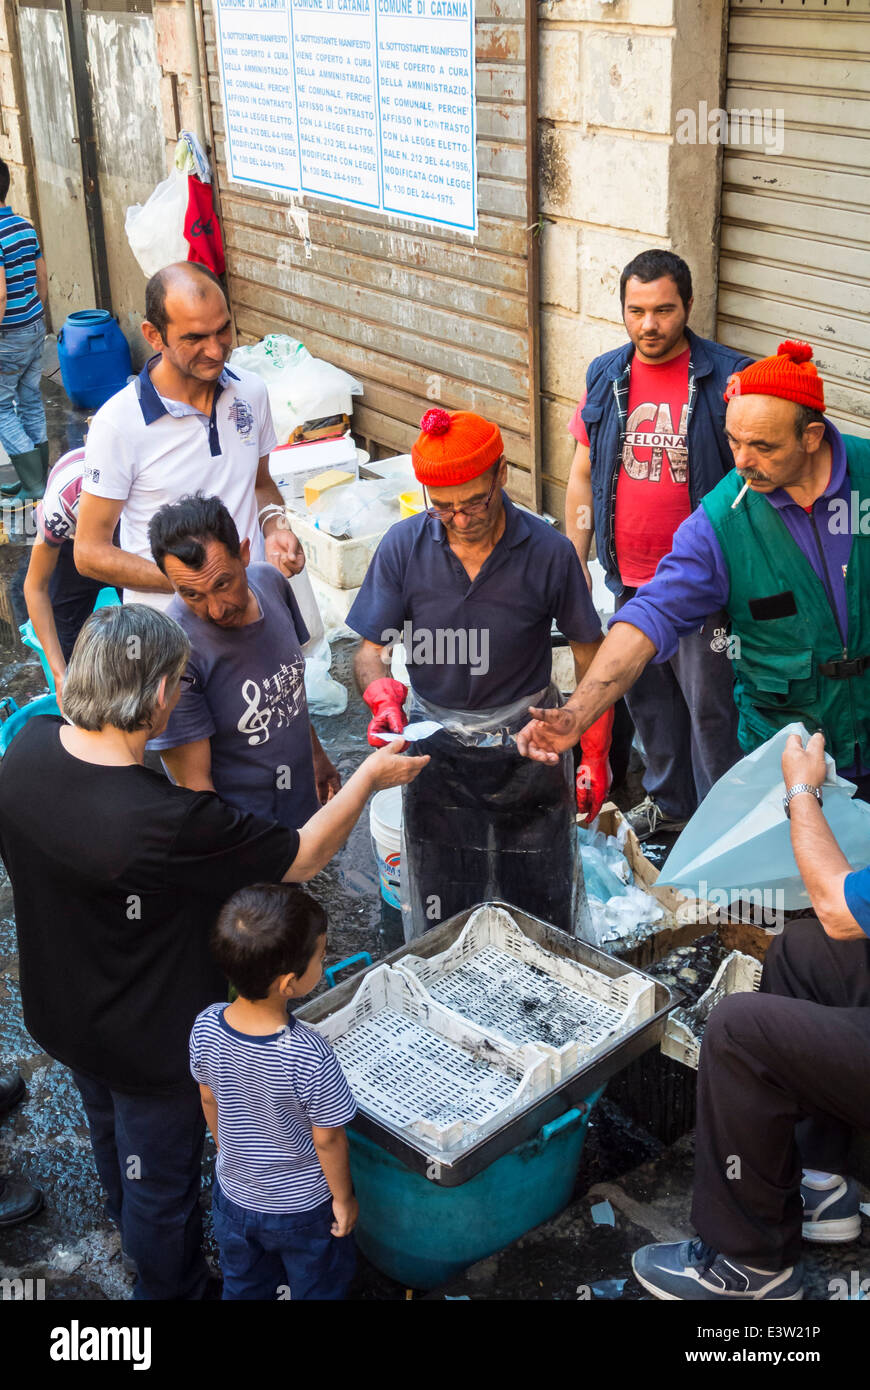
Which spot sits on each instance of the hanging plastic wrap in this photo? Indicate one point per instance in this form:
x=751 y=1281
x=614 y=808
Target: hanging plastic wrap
x=738 y=841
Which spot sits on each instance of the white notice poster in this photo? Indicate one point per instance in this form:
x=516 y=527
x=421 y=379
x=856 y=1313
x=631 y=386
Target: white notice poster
x=366 y=102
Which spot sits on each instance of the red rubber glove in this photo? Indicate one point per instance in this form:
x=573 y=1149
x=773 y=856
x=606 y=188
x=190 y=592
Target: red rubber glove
x=385 y=698
x=593 y=774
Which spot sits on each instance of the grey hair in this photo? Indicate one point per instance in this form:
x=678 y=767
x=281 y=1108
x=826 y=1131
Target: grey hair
x=120 y=657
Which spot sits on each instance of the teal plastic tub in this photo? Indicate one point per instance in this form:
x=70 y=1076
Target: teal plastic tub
x=422 y=1235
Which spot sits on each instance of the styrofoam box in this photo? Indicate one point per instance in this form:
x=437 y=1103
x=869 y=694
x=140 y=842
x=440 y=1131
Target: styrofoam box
x=294 y=465
x=342 y=564
x=420 y=1069
x=505 y=983
x=738 y=974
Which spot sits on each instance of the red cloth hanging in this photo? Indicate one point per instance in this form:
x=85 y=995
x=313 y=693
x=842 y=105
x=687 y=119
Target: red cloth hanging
x=201 y=227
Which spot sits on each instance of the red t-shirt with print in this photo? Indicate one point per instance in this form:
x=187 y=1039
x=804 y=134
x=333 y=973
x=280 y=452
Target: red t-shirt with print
x=652 y=490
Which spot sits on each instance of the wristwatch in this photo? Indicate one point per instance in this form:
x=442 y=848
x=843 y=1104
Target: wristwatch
x=800 y=787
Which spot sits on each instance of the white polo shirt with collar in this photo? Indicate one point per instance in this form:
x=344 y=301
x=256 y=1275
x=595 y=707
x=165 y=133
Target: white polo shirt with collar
x=146 y=450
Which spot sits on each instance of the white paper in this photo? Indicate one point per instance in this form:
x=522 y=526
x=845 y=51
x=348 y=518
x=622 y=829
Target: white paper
x=412 y=733
x=366 y=102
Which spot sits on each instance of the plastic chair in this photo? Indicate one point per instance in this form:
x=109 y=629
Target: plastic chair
x=14 y=718
x=106 y=598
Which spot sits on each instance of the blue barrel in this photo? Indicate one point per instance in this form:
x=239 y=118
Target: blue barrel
x=94 y=357
x=422 y=1235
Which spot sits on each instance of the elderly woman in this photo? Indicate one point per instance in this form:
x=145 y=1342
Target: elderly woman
x=117 y=877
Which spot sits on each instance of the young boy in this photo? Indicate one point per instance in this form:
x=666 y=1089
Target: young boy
x=276 y=1101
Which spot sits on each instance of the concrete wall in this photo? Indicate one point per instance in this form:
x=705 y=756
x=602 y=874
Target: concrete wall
x=14 y=136
x=614 y=182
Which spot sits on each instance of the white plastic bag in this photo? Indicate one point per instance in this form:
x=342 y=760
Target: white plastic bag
x=301 y=387
x=738 y=840
x=308 y=607
x=324 y=695
x=271 y=358
x=318 y=389
x=155 y=230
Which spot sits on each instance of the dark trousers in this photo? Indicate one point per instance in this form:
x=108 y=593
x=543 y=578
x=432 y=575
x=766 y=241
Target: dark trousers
x=782 y=1083
x=484 y=823
x=281 y=1254
x=148 y=1152
x=684 y=711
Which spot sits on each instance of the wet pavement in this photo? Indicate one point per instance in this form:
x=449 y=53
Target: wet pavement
x=640 y=1166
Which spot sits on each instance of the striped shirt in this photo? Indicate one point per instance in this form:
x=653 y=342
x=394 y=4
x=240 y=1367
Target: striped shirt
x=19 y=252
x=269 y=1092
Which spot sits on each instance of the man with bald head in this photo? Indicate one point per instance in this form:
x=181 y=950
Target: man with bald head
x=782 y=544
x=187 y=423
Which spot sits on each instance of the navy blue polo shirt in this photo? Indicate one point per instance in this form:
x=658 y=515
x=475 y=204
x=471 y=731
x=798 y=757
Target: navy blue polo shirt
x=475 y=645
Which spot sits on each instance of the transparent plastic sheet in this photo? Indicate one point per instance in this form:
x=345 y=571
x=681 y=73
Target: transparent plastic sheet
x=357 y=509
x=615 y=906
x=481 y=822
x=738 y=841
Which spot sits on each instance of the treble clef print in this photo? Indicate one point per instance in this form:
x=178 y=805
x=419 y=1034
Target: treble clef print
x=254 y=721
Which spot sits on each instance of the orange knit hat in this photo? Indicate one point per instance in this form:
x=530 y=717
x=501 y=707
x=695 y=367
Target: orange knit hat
x=789 y=374
x=453 y=449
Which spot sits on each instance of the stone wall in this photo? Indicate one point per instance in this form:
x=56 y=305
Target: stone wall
x=613 y=181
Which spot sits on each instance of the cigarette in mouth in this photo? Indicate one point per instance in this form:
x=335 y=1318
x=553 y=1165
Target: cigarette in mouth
x=740 y=496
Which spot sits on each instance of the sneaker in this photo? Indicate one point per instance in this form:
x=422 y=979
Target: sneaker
x=649 y=818
x=831 y=1214
x=689 y=1269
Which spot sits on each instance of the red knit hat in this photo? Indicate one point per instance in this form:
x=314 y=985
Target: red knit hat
x=789 y=374
x=453 y=449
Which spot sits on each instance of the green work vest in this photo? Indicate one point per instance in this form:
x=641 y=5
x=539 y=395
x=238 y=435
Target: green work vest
x=783 y=625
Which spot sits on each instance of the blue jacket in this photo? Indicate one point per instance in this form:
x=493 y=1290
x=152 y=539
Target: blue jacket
x=606 y=411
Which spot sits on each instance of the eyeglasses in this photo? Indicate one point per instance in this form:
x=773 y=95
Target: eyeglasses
x=446 y=514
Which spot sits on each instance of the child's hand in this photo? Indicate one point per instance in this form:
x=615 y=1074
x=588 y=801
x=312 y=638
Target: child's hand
x=345 y=1214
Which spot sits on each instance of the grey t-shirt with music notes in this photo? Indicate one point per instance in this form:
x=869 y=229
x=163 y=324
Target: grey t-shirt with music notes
x=249 y=700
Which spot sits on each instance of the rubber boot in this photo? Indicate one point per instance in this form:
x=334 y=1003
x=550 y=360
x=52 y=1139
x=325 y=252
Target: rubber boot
x=45 y=459
x=29 y=468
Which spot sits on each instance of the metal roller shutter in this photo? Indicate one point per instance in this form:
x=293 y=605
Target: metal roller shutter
x=795 y=232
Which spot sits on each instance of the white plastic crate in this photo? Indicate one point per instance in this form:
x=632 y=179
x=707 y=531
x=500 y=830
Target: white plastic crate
x=416 y=1067
x=515 y=990
x=738 y=974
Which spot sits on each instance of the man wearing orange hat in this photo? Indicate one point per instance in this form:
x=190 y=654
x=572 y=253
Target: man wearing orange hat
x=471 y=587
x=780 y=545
x=783 y=545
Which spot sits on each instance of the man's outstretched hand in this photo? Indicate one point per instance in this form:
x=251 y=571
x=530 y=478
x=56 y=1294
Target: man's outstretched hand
x=801 y=764
x=549 y=732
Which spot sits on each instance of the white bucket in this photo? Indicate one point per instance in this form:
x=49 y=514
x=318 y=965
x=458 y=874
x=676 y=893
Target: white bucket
x=385 y=822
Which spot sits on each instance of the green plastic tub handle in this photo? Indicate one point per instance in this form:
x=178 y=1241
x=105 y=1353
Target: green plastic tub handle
x=332 y=970
x=565 y=1121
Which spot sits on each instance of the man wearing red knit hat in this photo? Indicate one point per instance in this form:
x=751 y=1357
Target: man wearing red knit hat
x=471 y=586
x=781 y=544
